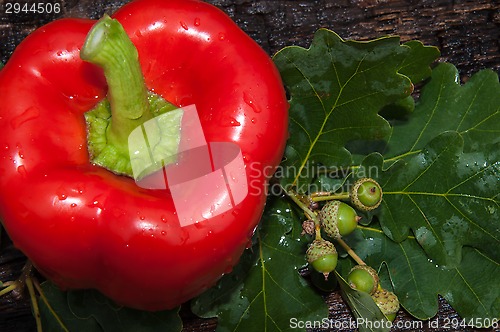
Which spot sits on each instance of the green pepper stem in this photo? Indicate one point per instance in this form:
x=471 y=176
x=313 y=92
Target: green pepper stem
x=129 y=105
x=108 y=46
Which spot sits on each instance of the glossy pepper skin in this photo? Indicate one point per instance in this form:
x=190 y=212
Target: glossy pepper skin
x=85 y=227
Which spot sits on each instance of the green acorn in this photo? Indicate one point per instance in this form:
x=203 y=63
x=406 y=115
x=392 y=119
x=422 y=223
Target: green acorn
x=338 y=219
x=387 y=302
x=366 y=194
x=322 y=256
x=363 y=278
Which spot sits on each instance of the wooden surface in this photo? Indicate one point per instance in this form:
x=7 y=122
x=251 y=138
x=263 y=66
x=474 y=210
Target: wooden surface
x=466 y=32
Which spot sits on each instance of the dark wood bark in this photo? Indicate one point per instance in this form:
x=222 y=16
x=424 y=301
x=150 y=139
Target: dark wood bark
x=466 y=32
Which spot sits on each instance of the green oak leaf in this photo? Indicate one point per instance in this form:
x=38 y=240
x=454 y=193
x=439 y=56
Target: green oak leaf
x=417 y=280
x=415 y=67
x=447 y=197
x=337 y=89
x=441 y=201
x=89 y=310
x=472 y=109
x=56 y=314
x=416 y=64
x=265 y=291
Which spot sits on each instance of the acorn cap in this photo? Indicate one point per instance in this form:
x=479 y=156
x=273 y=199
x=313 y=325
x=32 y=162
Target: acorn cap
x=318 y=249
x=308 y=227
x=387 y=301
x=328 y=217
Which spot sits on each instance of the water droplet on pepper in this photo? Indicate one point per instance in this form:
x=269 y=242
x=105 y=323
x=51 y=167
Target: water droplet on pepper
x=249 y=101
x=22 y=170
x=233 y=122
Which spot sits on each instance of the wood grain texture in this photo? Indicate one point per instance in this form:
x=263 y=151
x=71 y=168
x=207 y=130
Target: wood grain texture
x=466 y=32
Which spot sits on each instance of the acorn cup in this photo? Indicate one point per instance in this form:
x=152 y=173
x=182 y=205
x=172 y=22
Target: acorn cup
x=387 y=302
x=366 y=194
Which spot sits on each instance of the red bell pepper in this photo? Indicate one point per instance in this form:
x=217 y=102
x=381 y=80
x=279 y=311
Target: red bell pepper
x=85 y=226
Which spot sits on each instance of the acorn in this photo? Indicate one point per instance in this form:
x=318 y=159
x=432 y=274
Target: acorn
x=366 y=194
x=364 y=279
x=338 y=219
x=322 y=256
